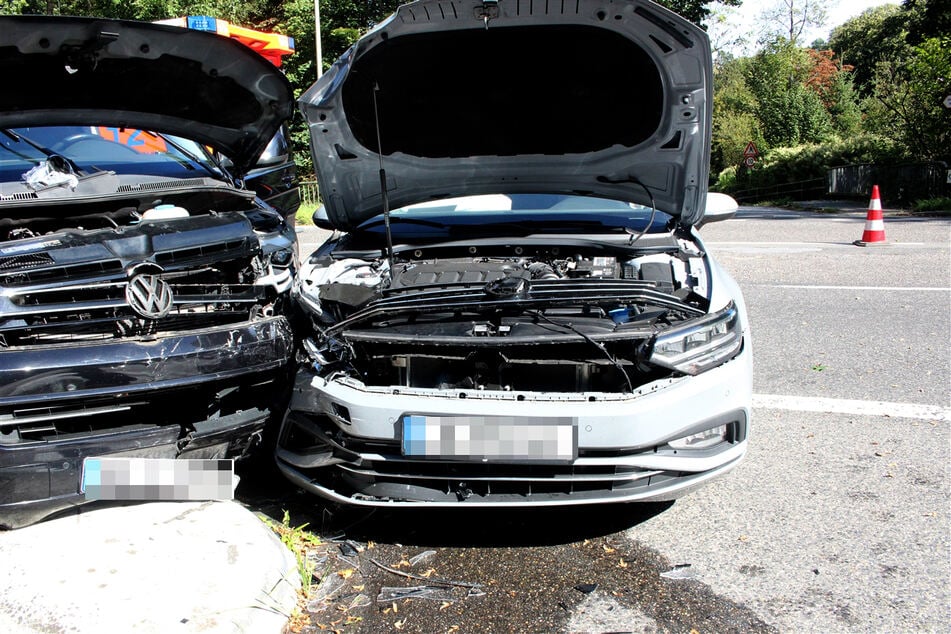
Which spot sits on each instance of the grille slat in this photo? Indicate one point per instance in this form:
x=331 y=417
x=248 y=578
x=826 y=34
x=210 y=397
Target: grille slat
x=219 y=252
x=25 y=261
x=65 y=274
x=505 y=474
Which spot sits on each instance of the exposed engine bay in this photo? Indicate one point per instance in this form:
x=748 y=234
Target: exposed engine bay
x=105 y=200
x=69 y=268
x=508 y=317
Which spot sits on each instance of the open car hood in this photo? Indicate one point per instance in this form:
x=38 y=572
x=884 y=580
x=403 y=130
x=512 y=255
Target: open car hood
x=91 y=71
x=592 y=97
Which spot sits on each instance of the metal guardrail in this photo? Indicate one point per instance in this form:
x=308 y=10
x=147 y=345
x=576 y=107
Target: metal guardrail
x=309 y=195
x=897 y=183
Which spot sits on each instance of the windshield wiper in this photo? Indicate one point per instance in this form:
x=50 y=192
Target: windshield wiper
x=16 y=137
x=195 y=158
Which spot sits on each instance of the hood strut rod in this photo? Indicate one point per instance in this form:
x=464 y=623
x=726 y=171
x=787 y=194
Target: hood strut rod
x=385 y=196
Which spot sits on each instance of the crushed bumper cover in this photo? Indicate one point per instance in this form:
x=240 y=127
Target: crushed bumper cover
x=41 y=375
x=341 y=440
x=131 y=399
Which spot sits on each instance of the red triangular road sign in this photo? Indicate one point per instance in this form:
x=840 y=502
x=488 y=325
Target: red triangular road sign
x=750 y=150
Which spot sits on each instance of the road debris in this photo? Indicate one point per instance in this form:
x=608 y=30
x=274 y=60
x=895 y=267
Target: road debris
x=434 y=580
x=680 y=571
x=435 y=593
x=423 y=556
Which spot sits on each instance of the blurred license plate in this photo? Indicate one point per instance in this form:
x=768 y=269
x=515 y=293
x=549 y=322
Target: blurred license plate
x=157 y=479
x=489 y=438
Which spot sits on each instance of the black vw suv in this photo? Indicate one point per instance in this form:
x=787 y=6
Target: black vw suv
x=142 y=284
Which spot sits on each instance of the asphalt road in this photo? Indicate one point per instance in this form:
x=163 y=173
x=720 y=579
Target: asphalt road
x=838 y=519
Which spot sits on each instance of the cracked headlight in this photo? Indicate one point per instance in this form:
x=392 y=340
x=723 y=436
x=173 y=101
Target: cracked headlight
x=700 y=345
x=282 y=257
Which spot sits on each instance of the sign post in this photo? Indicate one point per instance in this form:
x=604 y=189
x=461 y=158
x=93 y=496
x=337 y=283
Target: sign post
x=750 y=154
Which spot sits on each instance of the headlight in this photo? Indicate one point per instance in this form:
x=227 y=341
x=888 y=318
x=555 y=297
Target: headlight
x=702 y=344
x=282 y=257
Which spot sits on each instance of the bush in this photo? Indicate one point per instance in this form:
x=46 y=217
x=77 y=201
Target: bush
x=942 y=204
x=807 y=162
x=726 y=181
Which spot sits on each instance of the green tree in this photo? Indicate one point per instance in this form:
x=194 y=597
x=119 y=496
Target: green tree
x=842 y=102
x=926 y=19
x=909 y=96
x=789 y=112
x=790 y=18
x=735 y=120
x=697 y=11
x=874 y=36
x=12 y=7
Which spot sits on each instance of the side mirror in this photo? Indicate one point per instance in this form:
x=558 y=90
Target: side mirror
x=719 y=207
x=277 y=151
x=321 y=221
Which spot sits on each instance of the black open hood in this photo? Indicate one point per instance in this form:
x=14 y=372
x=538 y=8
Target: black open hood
x=90 y=71
x=593 y=97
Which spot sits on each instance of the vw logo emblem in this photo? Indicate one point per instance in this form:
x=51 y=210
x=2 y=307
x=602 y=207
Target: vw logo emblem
x=149 y=296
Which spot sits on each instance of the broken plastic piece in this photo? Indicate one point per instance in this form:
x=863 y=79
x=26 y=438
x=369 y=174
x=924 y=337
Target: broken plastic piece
x=347 y=550
x=435 y=593
x=447 y=582
x=586 y=588
x=423 y=556
x=680 y=571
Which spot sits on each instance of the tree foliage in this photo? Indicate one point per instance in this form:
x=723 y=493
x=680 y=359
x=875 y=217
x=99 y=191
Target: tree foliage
x=697 y=11
x=790 y=18
x=874 y=36
x=909 y=97
x=790 y=112
x=884 y=72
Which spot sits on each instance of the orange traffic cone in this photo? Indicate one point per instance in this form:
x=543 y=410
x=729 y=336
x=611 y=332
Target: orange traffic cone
x=874 y=234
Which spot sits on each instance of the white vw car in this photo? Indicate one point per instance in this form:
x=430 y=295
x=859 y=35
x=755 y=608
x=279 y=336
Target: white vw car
x=517 y=308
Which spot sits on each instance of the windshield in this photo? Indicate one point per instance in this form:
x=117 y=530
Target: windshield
x=520 y=214
x=92 y=149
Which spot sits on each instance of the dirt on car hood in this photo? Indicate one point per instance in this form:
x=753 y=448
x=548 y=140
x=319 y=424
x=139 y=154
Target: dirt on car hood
x=91 y=71
x=609 y=99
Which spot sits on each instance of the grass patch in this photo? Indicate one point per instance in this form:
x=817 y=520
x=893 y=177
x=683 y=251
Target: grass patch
x=305 y=214
x=940 y=206
x=299 y=541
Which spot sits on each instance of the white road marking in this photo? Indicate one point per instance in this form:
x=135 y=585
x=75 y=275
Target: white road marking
x=721 y=243
x=849 y=406
x=858 y=288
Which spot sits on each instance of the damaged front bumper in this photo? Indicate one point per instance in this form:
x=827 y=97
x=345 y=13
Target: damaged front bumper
x=345 y=441
x=44 y=375
x=201 y=394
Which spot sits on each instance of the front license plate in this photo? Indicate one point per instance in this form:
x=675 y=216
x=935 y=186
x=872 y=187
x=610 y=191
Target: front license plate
x=157 y=479
x=490 y=438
